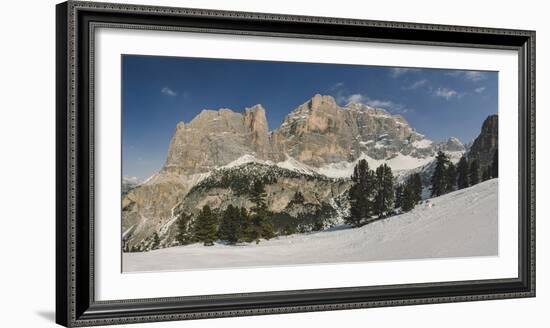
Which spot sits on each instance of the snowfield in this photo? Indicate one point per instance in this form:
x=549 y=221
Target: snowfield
x=463 y=223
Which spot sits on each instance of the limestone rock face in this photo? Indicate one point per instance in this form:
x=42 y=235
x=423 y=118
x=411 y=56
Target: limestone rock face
x=215 y=138
x=320 y=132
x=150 y=206
x=317 y=133
x=486 y=143
x=255 y=121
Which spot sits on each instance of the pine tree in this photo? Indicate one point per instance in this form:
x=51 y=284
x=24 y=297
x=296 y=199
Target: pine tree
x=408 y=196
x=205 y=226
x=463 y=172
x=412 y=192
x=494 y=165
x=416 y=185
x=360 y=194
x=486 y=174
x=451 y=175
x=230 y=226
x=257 y=197
x=244 y=223
x=259 y=227
x=156 y=241
x=183 y=235
x=384 y=192
x=398 y=196
x=439 y=178
x=474 y=172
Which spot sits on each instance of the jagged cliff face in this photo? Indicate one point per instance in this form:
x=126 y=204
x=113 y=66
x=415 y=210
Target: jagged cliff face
x=317 y=133
x=486 y=143
x=215 y=138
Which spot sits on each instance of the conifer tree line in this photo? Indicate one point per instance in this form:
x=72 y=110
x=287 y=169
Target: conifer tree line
x=447 y=177
x=374 y=195
x=232 y=225
x=409 y=193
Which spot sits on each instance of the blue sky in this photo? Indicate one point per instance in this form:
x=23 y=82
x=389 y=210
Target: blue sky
x=158 y=92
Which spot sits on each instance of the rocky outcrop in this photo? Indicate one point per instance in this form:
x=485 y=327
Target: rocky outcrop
x=486 y=143
x=317 y=133
x=215 y=138
x=232 y=186
x=150 y=206
x=320 y=132
x=319 y=208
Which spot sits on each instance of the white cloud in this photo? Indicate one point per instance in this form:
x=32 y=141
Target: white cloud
x=356 y=98
x=447 y=93
x=398 y=71
x=169 y=92
x=479 y=90
x=474 y=76
x=337 y=85
x=416 y=85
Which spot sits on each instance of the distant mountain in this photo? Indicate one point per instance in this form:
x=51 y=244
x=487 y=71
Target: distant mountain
x=313 y=152
x=129 y=183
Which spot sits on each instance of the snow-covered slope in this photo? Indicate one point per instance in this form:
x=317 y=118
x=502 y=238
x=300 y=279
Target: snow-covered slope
x=460 y=224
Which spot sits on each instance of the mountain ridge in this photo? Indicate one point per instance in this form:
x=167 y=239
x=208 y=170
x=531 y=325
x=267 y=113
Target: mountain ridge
x=318 y=132
x=315 y=147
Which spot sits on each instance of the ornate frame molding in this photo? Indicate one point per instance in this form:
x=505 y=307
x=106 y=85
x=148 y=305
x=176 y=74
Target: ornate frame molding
x=76 y=25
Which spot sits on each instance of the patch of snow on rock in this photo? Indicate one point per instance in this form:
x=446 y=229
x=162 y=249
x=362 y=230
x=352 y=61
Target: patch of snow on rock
x=424 y=143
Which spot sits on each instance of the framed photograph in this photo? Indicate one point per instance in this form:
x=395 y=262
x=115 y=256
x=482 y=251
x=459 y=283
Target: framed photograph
x=216 y=164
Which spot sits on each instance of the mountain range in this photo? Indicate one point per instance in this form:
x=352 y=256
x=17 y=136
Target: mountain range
x=214 y=159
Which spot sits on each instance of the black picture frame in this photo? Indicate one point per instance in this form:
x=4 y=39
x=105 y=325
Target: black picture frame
x=75 y=302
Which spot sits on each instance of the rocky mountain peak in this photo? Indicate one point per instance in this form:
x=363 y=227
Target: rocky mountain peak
x=255 y=122
x=255 y=114
x=215 y=138
x=490 y=125
x=319 y=101
x=180 y=126
x=486 y=143
x=453 y=144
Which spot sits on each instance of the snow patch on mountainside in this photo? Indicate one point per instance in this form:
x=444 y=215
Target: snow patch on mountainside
x=424 y=143
x=397 y=163
x=463 y=223
x=297 y=166
x=245 y=159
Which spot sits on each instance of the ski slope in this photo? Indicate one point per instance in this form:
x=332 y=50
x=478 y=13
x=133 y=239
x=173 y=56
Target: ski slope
x=463 y=223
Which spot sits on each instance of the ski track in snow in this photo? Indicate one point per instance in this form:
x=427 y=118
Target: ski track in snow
x=463 y=223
